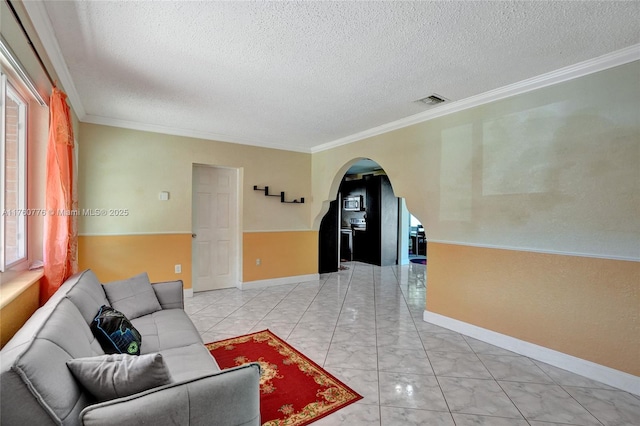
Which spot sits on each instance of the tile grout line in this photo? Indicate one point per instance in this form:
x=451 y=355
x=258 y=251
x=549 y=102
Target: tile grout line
x=339 y=312
x=375 y=324
x=496 y=381
x=427 y=354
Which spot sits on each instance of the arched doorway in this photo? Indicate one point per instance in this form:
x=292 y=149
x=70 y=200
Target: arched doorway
x=363 y=223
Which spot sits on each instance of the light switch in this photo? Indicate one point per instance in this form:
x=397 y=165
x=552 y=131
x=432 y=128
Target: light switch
x=164 y=196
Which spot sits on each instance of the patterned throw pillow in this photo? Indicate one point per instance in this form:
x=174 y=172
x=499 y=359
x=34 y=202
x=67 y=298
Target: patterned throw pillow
x=115 y=332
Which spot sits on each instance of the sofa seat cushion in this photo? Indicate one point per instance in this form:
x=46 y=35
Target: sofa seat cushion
x=189 y=362
x=166 y=329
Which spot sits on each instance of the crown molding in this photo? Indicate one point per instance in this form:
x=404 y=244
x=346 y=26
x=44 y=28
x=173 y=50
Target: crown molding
x=610 y=60
x=40 y=19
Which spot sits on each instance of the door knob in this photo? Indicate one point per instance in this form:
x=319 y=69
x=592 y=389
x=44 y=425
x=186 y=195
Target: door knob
x=193 y=235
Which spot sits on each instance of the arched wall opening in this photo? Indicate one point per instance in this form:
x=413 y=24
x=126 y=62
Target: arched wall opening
x=365 y=221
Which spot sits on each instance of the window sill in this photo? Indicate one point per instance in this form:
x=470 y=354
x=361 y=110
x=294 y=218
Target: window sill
x=13 y=288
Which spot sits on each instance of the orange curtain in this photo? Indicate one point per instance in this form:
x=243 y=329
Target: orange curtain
x=60 y=232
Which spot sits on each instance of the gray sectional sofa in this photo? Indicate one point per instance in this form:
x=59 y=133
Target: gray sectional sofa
x=37 y=386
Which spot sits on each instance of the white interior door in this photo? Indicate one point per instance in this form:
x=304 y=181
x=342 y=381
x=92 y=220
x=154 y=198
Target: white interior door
x=215 y=228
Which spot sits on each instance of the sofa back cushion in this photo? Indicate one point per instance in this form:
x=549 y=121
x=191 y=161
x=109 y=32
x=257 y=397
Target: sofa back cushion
x=86 y=292
x=134 y=296
x=34 y=376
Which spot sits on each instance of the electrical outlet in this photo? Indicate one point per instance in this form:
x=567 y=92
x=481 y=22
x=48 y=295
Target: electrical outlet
x=258 y=262
x=178 y=269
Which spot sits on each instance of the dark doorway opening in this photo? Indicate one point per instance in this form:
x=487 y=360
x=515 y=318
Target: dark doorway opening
x=362 y=223
x=328 y=243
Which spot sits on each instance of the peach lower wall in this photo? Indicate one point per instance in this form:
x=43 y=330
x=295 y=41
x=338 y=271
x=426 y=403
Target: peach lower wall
x=585 y=307
x=14 y=314
x=114 y=257
x=281 y=254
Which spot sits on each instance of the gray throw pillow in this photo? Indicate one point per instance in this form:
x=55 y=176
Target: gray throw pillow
x=114 y=376
x=134 y=297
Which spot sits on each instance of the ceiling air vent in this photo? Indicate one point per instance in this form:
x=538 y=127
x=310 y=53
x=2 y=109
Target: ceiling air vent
x=432 y=100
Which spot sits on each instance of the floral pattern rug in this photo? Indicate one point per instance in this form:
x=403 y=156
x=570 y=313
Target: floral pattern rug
x=294 y=390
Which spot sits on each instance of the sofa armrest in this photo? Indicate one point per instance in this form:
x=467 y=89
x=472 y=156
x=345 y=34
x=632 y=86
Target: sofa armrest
x=170 y=294
x=227 y=398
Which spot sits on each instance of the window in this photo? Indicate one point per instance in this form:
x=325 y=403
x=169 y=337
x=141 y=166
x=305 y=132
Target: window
x=13 y=141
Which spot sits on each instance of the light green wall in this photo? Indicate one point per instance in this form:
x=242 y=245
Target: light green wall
x=556 y=169
x=127 y=169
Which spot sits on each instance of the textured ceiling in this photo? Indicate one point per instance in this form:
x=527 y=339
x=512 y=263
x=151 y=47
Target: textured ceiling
x=297 y=75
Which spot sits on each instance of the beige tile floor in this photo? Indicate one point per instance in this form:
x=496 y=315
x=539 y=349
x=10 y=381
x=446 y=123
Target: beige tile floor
x=364 y=325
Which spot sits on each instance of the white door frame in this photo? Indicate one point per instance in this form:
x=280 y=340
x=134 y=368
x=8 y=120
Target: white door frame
x=403 y=233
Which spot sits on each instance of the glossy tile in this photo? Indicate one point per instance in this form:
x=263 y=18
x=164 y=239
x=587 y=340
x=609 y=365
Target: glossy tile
x=474 y=420
x=354 y=335
x=317 y=330
x=514 y=368
x=237 y=326
x=357 y=414
x=411 y=391
x=475 y=396
x=205 y=322
x=282 y=316
x=449 y=342
x=547 y=403
x=393 y=416
x=401 y=338
x=216 y=310
x=346 y=355
x=612 y=407
x=214 y=336
x=455 y=364
x=364 y=325
x=403 y=360
x=318 y=317
x=251 y=312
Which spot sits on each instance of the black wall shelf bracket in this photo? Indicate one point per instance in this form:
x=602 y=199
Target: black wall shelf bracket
x=266 y=191
x=281 y=195
x=301 y=201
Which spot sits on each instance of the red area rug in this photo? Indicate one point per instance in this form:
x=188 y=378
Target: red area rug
x=294 y=390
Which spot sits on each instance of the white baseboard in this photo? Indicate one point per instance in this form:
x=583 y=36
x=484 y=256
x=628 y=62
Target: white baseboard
x=600 y=373
x=250 y=285
x=188 y=292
